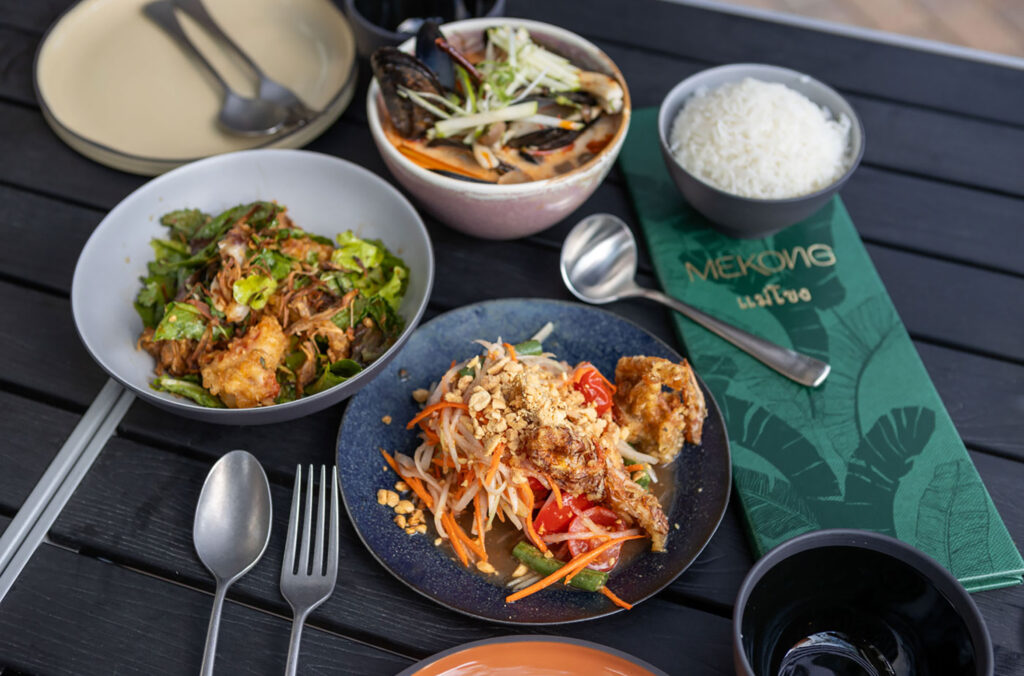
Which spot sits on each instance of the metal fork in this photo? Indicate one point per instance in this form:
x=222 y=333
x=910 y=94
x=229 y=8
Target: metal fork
x=303 y=588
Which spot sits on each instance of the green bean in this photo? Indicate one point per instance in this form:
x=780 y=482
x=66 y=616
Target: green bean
x=587 y=579
x=529 y=347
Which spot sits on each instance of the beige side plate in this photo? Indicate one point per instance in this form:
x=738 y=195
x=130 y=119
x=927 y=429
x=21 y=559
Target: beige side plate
x=115 y=88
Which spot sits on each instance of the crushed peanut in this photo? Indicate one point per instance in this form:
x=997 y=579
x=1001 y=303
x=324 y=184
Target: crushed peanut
x=382 y=497
x=437 y=541
x=400 y=520
x=403 y=507
x=410 y=531
x=401 y=487
x=386 y=420
x=386 y=497
x=485 y=567
x=421 y=528
x=420 y=395
x=520 y=570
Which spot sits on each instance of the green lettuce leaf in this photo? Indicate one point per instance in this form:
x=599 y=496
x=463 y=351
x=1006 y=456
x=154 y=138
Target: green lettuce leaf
x=356 y=254
x=277 y=263
x=186 y=387
x=180 y=320
x=184 y=223
x=336 y=373
x=392 y=291
x=254 y=290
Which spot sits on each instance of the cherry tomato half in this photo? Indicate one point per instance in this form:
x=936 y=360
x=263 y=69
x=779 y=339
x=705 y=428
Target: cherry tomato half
x=605 y=518
x=540 y=491
x=595 y=387
x=554 y=519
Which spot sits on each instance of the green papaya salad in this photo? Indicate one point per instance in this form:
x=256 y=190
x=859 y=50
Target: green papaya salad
x=247 y=309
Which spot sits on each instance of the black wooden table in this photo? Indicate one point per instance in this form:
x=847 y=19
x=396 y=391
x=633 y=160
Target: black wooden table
x=117 y=587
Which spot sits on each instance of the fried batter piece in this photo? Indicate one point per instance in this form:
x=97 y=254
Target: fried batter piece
x=172 y=356
x=244 y=373
x=629 y=498
x=660 y=403
x=570 y=460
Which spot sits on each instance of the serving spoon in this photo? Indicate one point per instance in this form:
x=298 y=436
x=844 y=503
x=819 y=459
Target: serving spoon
x=598 y=264
x=238 y=114
x=231 y=530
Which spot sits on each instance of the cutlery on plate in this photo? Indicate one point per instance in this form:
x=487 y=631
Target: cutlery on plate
x=269 y=90
x=598 y=264
x=238 y=114
x=231 y=529
x=305 y=588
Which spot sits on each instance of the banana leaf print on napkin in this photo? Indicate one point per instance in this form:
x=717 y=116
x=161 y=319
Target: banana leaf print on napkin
x=955 y=494
x=873 y=447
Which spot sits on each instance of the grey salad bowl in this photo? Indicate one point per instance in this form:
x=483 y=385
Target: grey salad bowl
x=324 y=195
x=744 y=217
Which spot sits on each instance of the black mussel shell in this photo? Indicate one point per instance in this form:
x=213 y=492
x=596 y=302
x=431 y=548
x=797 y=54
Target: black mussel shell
x=392 y=68
x=545 y=139
x=429 y=53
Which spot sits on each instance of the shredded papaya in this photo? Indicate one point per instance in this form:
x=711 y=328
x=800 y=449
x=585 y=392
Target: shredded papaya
x=634 y=468
x=615 y=599
x=433 y=408
x=575 y=565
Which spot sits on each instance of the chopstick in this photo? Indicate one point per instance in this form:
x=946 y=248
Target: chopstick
x=58 y=483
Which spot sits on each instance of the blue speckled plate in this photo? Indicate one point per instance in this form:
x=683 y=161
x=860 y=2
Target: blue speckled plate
x=702 y=473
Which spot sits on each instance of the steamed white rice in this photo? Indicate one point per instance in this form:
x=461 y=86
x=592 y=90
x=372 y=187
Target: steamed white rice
x=760 y=140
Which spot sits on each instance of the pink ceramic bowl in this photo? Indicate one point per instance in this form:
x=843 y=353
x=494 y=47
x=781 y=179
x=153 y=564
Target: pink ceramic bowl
x=509 y=211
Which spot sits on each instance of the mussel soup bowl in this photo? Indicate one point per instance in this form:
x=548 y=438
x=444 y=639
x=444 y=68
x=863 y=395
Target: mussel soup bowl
x=743 y=217
x=504 y=211
x=324 y=195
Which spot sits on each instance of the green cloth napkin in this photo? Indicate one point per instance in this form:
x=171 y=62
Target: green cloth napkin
x=871 y=448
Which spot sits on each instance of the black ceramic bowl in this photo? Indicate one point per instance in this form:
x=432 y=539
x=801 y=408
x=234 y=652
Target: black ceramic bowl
x=744 y=217
x=374 y=22
x=856 y=603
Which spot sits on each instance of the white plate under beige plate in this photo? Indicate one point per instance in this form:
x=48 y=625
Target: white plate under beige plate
x=117 y=89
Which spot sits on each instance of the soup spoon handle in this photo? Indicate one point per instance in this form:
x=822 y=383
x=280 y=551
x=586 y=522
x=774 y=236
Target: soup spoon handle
x=794 y=365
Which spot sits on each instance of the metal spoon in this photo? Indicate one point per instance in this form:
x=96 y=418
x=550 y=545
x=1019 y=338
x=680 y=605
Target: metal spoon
x=599 y=265
x=231 y=530
x=238 y=114
x=270 y=90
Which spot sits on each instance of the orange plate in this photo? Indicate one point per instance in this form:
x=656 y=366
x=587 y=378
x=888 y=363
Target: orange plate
x=532 y=656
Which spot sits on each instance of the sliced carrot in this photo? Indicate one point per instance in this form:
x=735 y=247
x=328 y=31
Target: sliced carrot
x=587 y=557
x=615 y=599
x=633 y=468
x=414 y=483
x=479 y=517
x=433 y=408
x=432 y=438
x=391 y=461
x=417 y=486
x=501 y=515
x=554 y=489
x=449 y=526
x=452 y=366
x=575 y=565
x=495 y=461
x=511 y=351
x=473 y=546
x=527 y=494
